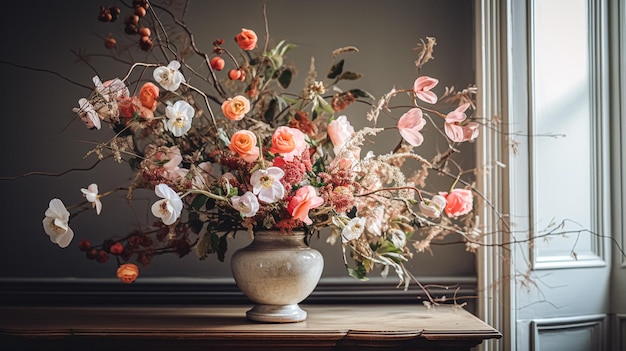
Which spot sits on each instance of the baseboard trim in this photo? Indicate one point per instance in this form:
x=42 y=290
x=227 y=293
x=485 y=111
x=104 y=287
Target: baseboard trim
x=73 y=291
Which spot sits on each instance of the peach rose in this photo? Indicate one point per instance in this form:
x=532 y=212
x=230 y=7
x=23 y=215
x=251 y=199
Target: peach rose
x=128 y=272
x=288 y=142
x=243 y=143
x=246 y=39
x=339 y=131
x=305 y=199
x=458 y=202
x=235 y=108
x=149 y=96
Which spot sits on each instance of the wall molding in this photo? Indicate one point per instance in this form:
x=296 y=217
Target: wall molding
x=596 y=325
x=62 y=291
x=594 y=252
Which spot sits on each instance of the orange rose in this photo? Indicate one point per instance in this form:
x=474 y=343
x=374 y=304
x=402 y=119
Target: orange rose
x=149 y=96
x=243 y=143
x=128 y=272
x=246 y=39
x=288 y=142
x=235 y=108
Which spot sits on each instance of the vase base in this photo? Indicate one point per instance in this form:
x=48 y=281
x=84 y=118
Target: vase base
x=276 y=313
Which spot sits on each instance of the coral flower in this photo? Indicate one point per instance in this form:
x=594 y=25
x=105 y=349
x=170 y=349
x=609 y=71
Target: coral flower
x=288 y=142
x=459 y=202
x=305 y=199
x=128 y=272
x=246 y=39
x=235 y=108
x=410 y=125
x=149 y=96
x=422 y=87
x=243 y=143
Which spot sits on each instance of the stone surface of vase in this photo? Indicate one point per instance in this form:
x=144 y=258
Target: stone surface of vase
x=277 y=271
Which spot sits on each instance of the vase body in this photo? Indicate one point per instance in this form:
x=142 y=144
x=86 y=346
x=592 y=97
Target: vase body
x=277 y=271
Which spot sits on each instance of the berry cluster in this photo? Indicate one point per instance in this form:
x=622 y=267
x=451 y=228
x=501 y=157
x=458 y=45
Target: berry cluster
x=132 y=24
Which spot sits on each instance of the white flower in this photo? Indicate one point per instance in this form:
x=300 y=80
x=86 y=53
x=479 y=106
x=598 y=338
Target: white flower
x=56 y=223
x=266 y=184
x=170 y=207
x=91 y=194
x=398 y=238
x=353 y=229
x=179 y=117
x=111 y=90
x=434 y=207
x=87 y=114
x=169 y=77
x=247 y=204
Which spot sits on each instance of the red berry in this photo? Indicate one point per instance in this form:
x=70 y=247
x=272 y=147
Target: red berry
x=110 y=43
x=116 y=249
x=102 y=256
x=84 y=245
x=217 y=63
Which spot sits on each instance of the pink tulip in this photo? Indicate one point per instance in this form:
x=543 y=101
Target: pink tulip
x=457 y=132
x=410 y=125
x=422 y=87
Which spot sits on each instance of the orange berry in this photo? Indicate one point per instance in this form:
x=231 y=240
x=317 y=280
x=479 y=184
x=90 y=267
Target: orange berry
x=110 y=43
x=217 y=63
x=145 y=43
x=144 y=31
x=235 y=74
x=140 y=11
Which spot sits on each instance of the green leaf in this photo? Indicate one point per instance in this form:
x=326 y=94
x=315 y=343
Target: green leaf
x=335 y=70
x=198 y=202
x=222 y=247
x=358 y=273
x=322 y=105
x=361 y=93
x=284 y=79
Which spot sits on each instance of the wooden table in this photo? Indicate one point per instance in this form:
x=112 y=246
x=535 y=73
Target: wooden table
x=189 y=328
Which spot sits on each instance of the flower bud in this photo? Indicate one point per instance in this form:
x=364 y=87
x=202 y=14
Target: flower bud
x=84 y=245
x=116 y=249
x=102 y=256
x=144 y=31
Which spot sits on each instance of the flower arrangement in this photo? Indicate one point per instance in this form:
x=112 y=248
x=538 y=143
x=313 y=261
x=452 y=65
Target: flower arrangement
x=239 y=152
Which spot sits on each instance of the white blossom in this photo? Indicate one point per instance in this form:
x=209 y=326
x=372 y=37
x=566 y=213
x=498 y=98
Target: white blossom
x=247 y=204
x=353 y=229
x=56 y=223
x=266 y=184
x=170 y=207
x=169 y=77
x=91 y=194
x=87 y=114
x=433 y=207
x=179 y=117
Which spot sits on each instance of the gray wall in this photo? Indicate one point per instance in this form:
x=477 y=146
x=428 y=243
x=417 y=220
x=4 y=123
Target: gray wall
x=40 y=133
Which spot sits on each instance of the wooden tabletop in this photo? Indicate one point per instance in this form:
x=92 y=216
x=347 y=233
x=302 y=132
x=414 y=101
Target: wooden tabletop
x=331 y=327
